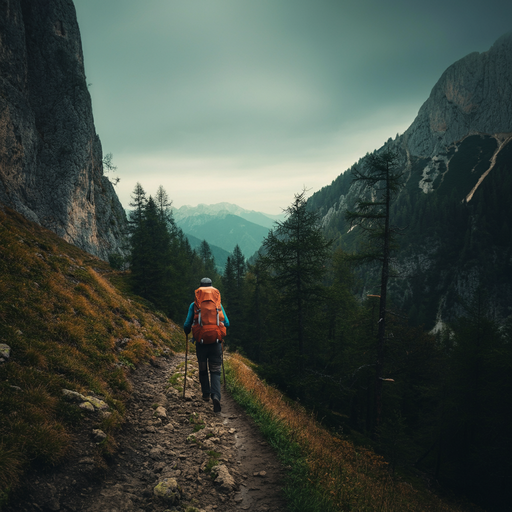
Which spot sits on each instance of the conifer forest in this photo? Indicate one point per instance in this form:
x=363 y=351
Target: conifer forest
x=432 y=404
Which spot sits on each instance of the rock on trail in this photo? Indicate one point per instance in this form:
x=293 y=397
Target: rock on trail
x=174 y=454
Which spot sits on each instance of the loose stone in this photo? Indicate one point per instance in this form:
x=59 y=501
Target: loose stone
x=98 y=435
x=168 y=491
x=87 y=406
x=160 y=412
x=5 y=351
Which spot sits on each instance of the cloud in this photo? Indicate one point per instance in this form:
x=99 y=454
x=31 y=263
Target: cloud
x=266 y=95
x=265 y=182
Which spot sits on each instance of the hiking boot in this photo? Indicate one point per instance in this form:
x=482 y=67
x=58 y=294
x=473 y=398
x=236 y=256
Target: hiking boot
x=216 y=405
x=206 y=397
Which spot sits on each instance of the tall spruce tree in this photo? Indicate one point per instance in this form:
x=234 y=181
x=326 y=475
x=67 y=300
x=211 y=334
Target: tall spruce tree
x=239 y=266
x=206 y=256
x=138 y=256
x=381 y=180
x=180 y=256
x=296 y=253
x=257 y=323
x=151 y=270
x=238 y=300
x=228 y=283
x=138 y=204
x=164 y=205
x=229 y=298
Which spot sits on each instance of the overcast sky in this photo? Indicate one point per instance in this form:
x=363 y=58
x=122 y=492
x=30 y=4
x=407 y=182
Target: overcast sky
x=249 y=101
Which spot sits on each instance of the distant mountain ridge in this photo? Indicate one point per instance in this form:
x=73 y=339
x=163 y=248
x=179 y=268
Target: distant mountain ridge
x=226 y=225
x=219 y=255
x=225 y=230
x=263 y=219
x=455 y=206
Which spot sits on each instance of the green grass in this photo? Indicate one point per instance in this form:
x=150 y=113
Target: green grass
x=197 y=421
x=176 y=381
x=213 y=460
x=300 y=494
x=326 y=472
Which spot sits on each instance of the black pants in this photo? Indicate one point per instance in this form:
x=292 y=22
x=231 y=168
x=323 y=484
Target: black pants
x=209 y=357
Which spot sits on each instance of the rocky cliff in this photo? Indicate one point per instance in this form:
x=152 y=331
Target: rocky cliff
x=474 y=95
x=51 y=166
x=455 y=205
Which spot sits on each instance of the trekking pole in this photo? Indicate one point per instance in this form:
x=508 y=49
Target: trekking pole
x=223 y=372
x=186 y=360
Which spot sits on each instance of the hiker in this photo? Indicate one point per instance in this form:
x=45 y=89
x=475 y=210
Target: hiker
x=208 y=336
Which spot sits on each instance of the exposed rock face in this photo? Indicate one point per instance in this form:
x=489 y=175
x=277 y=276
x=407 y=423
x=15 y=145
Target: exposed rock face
x=51 y=167
x=457 y=156
x=474 y=95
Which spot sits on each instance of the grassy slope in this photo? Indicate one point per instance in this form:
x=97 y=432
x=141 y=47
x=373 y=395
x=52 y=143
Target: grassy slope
x=326 y=473
x=63 y=313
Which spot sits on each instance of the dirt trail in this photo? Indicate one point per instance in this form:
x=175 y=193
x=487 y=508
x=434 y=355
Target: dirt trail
x=161 y=450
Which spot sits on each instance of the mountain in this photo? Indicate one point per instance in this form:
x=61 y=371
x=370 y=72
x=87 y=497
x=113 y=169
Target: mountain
x=51 y=168
x=263 y=219
x=220 y=255
x=474 y=95
x=455 y=206
x=222 y=229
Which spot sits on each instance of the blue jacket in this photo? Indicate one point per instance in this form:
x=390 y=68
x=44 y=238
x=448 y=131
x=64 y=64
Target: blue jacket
x=187 y=326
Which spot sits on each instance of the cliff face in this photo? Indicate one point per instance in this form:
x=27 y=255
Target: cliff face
x=455 y=205
x=51 y=167
x=474 y=95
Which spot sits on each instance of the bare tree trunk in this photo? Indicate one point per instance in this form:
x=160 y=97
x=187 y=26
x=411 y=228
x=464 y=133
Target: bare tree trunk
x=381 y=335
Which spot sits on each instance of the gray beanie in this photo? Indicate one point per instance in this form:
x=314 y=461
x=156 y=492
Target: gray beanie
x=206 y=281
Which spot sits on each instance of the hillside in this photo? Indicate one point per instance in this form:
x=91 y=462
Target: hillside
x=226 y=231
x=66 y=323
x=220 y=255
x=454 y=208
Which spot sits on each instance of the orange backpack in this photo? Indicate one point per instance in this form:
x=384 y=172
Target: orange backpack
x=208 y=326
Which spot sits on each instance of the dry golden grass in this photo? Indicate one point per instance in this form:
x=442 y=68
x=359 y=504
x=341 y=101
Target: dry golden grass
x=62 y=317
x=355 y=479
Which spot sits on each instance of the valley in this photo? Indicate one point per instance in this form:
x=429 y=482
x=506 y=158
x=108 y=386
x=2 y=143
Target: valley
x=369 y=349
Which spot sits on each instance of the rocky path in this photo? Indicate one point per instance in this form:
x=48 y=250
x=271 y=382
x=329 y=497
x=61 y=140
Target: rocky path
x=174 y=454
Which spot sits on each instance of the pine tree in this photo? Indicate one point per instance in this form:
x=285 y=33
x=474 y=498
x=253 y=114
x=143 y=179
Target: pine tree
x=164 y=205
x=257 y=324
x=151 y=270
x=139 y=202
x=206 y=256
x=382 y=180
x=296 y=253
x=228 y=283
x=234 y=293
x=138 y=253
x=239 y=266
x=181 y=256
